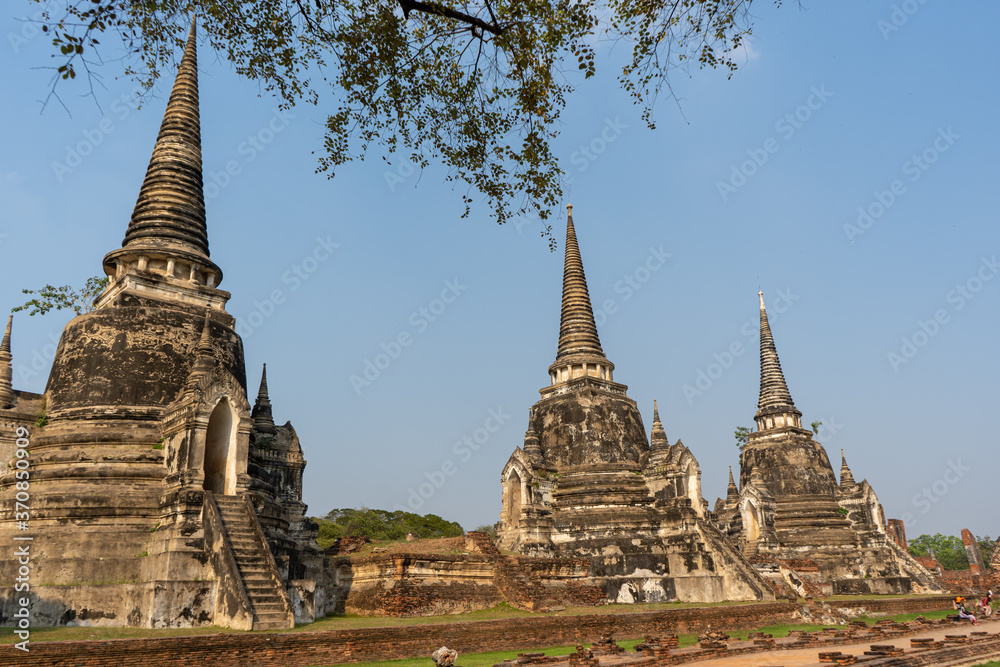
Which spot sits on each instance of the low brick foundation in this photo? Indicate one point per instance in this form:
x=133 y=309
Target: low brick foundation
x=339 y=646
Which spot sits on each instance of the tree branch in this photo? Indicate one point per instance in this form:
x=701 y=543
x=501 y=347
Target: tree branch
x=448 y=12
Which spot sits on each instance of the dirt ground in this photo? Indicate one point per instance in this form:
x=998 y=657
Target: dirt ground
x=810 y=657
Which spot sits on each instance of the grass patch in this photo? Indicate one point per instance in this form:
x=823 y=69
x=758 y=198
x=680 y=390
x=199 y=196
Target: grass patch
x=62 y=633
x=501 y=611
x=467 y=659
x=492 y=658
x=903 y=618
x=777 y=630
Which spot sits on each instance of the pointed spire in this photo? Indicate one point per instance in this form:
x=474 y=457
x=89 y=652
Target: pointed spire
x=261 y=414
x=262 y=392
x=204 y=354
x=169 y=214
x=846 y=476
x=205 y=342
x=578 y=340
x=532 y=446
x=658 y=437
x=775 y=398
x=5 y=343
x=732 y=491
x=577 y=329
x=7 y=397
x=170 y=210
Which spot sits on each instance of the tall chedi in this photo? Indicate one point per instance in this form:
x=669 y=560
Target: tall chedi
x=790 y=509
x=146 y=421
x=793 y=468
x=587 y=483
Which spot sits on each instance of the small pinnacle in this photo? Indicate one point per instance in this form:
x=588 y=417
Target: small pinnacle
x=262 y=392
x=5 y=344
x=205 y=344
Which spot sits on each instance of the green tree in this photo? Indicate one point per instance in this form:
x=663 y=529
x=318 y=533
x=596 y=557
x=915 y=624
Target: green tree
x=56 y=298
x=478 y=85
x=486 y=528
x=986 y=546
x=381 y=525
x=742 y=435
x=949 y=550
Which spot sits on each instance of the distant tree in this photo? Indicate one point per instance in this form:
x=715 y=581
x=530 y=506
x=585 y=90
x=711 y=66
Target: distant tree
x=815 y=427
x=56 y=298
x=986 y=545
x=381 y=525
x=950 y=550
x=742 y=434
x=488 y=529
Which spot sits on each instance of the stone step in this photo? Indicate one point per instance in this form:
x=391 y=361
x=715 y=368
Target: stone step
x=243 y=539
x=244 y=544
x=250 y=560
x=252 y=550
x=263 y=600
x=262 y=587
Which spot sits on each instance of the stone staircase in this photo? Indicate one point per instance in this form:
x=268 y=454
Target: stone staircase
x=520 y=589
x=271 y=609
x=513 y=583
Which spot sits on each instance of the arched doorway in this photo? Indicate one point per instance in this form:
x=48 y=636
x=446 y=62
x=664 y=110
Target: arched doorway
x=692 y=486
x=218 y=444
x=512 y=500
x=750 y=522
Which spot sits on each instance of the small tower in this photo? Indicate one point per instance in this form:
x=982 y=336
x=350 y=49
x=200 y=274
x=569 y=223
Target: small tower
x=263 y=421
x=732 y=492
x=846 y=477
x=7 y=397
x=531 y=446
x=658 y=442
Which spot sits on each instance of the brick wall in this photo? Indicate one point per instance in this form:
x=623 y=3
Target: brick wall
x=966 y=581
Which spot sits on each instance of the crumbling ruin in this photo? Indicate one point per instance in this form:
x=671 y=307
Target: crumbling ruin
x=158 y=498
x=587 y=483
x=802 y=528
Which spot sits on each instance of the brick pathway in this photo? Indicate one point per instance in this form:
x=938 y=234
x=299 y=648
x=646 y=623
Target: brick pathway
x=810 y=656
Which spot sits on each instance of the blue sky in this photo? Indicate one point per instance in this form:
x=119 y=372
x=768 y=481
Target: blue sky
x=878 y=111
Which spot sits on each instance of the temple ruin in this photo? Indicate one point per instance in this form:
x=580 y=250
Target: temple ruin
x=802 y=528
x=160 y=497
x=587 y=483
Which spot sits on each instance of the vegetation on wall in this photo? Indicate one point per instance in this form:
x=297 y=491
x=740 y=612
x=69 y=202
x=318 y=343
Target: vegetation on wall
x=950 y=550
